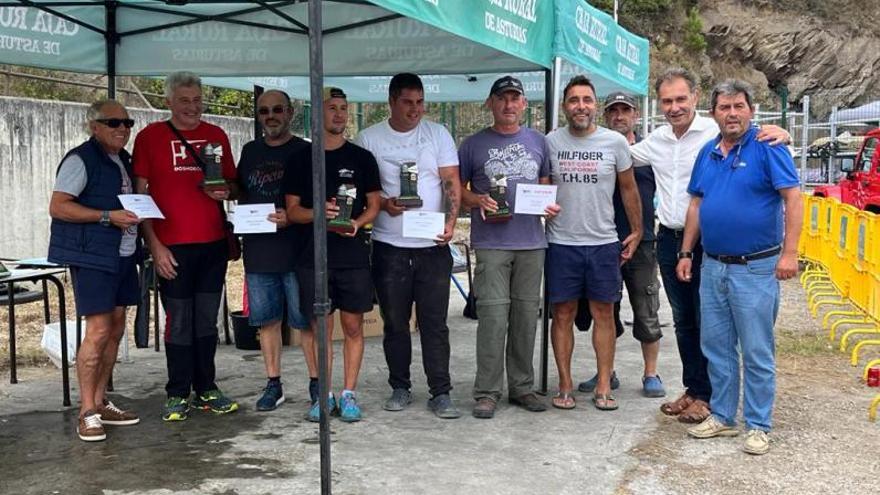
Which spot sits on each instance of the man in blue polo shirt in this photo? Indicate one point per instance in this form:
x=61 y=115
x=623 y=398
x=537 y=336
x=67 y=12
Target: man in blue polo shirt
x=738 y=189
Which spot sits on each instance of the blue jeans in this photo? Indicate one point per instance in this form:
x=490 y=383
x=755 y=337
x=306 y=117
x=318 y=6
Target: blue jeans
x=684 y=298
x=268 y=293
x=739 y=305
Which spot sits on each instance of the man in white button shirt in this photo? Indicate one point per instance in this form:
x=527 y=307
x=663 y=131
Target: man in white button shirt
x=671 y=151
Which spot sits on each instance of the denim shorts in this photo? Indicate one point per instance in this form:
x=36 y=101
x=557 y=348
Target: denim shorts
x=591 y=272
x=99 y=292
x=267 y=293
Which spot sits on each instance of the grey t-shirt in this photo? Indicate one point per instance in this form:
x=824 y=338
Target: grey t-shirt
x=585 y=169
x=71 y=179
x=519 y=157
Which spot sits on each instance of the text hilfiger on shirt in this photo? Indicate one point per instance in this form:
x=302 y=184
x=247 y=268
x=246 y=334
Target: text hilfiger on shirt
x=579 y=155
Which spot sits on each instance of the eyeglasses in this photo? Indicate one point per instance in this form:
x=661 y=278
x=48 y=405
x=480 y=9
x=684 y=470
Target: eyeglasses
x=279 y=109
x=114 y=123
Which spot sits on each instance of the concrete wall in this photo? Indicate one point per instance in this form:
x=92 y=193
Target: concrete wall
x=34 y=136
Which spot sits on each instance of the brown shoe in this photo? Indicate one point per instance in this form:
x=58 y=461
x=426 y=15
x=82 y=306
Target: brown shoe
x=529 y=402
x=90 y=428
x=484 y=409
x=697 y=412
x=675 y=407
x=112 y=415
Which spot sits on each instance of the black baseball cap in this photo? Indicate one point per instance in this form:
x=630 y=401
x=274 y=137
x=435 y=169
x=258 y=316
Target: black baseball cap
x=506 y=83
x=620 y=97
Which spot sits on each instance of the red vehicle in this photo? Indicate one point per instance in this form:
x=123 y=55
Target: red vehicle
x=861 y=186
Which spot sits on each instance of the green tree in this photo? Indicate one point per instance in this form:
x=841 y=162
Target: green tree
x=694 y=40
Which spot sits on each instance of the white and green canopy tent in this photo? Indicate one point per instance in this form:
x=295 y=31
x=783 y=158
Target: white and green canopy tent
x=275 y=38
x=267 y=42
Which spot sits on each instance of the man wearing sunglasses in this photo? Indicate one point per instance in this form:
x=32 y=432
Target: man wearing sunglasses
x=97 y=238
x=746 y=251
x=269 y=259
x=189 y=245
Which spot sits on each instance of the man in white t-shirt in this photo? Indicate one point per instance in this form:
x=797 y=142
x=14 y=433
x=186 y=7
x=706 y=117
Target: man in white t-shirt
x=584 y=253
x=418 y=168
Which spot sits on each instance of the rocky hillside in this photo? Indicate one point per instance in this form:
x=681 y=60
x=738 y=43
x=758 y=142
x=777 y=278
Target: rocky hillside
x=828 y=49
x=831 y=52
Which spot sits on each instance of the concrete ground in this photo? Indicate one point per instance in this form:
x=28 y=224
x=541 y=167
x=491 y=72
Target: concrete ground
x=578 y=451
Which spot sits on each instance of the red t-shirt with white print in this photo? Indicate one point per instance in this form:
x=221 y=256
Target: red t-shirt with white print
x=175 y=181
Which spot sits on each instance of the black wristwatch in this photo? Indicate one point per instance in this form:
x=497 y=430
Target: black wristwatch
x=105 y=218
x=685 y=255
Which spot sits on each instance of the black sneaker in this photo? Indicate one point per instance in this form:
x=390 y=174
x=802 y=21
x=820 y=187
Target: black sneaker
x=400 y=398
x=273 y=396
x=215 y=401
x=443 y=407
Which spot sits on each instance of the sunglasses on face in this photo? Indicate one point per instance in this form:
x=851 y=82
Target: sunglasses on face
x=278 y=109
x=114 y=123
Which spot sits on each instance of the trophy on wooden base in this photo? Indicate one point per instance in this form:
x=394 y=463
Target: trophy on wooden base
x=409 y=186
x=212 y=156
x=345 y=201
x=498 y=192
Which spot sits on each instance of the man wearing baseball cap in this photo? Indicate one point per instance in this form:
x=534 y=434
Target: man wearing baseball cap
x=353 y=172
x=640 y=272
x=510 y=253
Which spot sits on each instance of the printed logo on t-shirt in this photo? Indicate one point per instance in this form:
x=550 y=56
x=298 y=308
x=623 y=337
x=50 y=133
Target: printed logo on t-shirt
x=346 y=173
x=265 y=182
x=512 y=161
x=579 y=166
x=181 y=160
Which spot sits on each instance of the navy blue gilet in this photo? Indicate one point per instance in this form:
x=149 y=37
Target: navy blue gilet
x=92 y=245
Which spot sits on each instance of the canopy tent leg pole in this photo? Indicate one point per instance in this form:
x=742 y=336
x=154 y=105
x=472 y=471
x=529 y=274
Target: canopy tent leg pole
x=557 y=98
x=258 y=91
x=321 y=308
x=549 y=100
x=111 y=38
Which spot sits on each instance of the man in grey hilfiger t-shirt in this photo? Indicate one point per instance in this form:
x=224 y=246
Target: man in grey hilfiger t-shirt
x=584 y=254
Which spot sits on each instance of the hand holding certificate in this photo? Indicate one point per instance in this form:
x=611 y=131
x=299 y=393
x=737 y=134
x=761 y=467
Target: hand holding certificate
x=141 y=205
x=423 y=224
x=533 y=199
x=254 y=219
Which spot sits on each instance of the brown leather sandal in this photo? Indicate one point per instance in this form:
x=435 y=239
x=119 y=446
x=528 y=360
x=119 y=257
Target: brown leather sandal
x=697 y=412
x=676 y=407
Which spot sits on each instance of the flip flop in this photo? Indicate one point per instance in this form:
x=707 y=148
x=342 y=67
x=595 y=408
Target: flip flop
x=564 y=400
x=605 y=402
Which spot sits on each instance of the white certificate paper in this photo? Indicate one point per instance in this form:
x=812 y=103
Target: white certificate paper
x=254 y=219
x=423 y=224
x=141 y=205
x=532 y=199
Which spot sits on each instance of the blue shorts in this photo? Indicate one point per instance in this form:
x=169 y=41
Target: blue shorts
x=576 y=272
x=267 y=294
x=99 y=292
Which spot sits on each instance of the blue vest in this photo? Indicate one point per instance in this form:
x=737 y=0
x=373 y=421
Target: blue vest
x=92 y=245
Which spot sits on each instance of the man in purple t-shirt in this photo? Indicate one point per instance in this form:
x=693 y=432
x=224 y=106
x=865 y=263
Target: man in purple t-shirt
x=510 y=247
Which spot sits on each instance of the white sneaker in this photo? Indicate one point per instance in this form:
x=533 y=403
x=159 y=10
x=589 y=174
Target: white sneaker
x=710 y=428
x=756 y=442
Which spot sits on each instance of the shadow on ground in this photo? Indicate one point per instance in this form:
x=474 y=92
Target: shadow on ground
x=42 y=447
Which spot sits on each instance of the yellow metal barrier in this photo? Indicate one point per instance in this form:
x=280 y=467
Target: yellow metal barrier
x=840 y=246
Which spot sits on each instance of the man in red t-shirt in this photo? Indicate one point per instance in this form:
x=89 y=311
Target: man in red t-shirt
x=188 y=247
